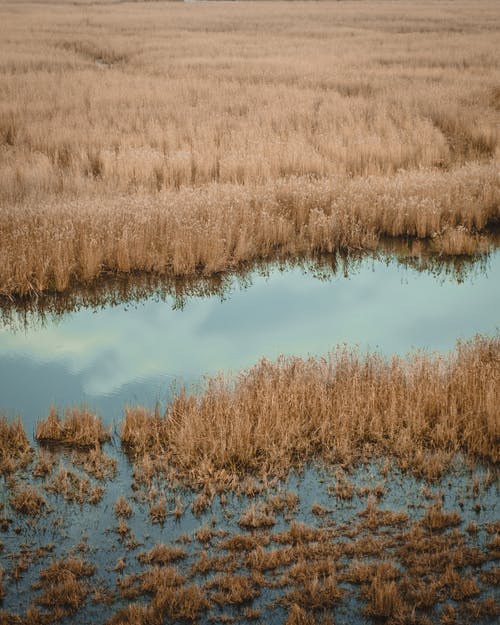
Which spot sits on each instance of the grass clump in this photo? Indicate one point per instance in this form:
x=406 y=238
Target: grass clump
x=162 y=554
x=27 y=500
x=15 y=450
x=64 y=587
x=79 y=428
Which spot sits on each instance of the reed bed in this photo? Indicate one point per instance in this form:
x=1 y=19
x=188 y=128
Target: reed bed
x=344 y=407
x=172 y=138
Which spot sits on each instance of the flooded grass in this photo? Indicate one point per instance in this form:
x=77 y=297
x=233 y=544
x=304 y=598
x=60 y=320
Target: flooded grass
x=79 y=428
x=404 y=554
x=383 y=508
x=352 y=488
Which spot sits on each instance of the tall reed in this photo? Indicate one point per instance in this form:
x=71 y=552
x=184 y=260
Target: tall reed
x=172 y=138
x=342 y=408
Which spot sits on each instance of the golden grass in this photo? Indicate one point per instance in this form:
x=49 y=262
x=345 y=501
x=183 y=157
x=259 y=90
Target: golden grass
x=79 y=428
x=383 y=599
x=172 y=138
x=15 y=450
x=407 y=575
x=64 y=586
x=162 y=554
x=27 y=500
x=122 y=508
x=73 y=487
x=343 y=407
x=459 y=241
x=257 y=516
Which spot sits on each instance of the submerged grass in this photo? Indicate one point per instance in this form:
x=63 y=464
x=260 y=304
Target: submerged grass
x=343 y=407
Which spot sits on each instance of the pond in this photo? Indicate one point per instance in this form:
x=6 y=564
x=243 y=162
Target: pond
x=133 y=352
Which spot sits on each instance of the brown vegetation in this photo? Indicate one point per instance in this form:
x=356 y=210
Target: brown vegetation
x=79 y=428
x=257 y=516
x=64 y=586
x=27 y=500
x=122 y=508
x=162 y=554
x=73 y=487
x=313 y=127
x=340 y=408
x=15 y=450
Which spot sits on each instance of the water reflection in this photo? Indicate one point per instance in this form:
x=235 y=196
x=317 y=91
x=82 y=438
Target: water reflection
x=128 y=343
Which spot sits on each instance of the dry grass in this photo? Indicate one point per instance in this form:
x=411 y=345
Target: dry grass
x=256 y=517
x=27 y=500
x=436 y=519
x=122 y=508
x=64 y=586
x=94 y=461
x=162 y=554
x=383 y=599
x=15 y=450
x=459 y=241
x=231 y=589
x=73 y=487
x=341 y=408
x=80 y=428
x=135 y=137
x=419 y=255
x=158 y=510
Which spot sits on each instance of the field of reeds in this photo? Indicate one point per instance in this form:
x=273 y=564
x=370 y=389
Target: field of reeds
x=179 y=138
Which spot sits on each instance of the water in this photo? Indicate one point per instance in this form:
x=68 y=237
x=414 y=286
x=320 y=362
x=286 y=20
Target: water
x=133 y=353
x=131 y=347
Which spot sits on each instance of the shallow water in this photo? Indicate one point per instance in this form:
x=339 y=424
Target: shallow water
x=134 y=352
x=66 y=524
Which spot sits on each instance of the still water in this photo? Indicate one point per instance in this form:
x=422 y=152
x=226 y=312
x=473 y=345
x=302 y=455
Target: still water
x=134 y=352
